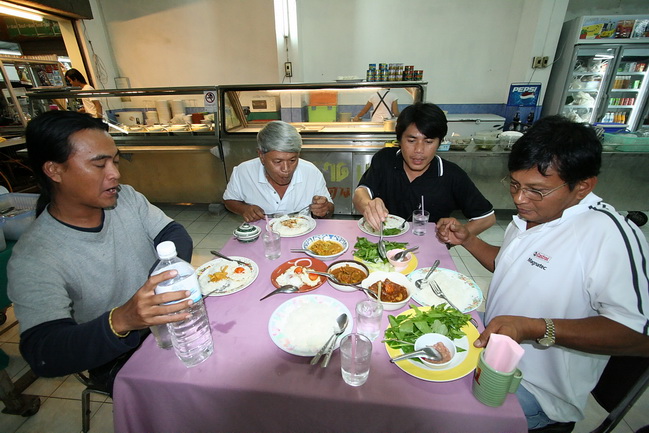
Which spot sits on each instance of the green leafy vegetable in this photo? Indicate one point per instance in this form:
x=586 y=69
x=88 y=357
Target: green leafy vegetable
x=441 y=319
x=390 y=232
x=369 y=252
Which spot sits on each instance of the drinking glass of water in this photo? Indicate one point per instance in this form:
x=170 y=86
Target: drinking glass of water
x=419 y=222
x=368 y=318
x=355 y=359
x=272 y=244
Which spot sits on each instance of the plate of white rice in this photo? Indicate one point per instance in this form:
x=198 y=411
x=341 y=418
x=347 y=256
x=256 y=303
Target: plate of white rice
x=460 y=289
x=302 y=325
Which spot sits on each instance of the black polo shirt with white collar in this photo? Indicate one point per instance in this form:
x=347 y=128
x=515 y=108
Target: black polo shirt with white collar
x=444 y=186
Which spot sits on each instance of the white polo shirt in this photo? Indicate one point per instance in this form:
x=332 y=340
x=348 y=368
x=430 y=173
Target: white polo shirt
x=248 y=183
x=589 y=262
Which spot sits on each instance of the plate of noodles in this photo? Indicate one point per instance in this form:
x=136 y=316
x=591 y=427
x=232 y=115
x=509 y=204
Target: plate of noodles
x=325 y=247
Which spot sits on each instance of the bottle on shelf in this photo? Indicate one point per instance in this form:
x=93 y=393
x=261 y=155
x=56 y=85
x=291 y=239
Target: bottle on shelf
x=530 y=119
x=516 y=122
x=192 y=337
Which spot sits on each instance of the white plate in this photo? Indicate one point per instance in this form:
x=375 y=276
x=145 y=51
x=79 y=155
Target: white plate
x=232 y=283
x=301 y=225
x=302 y=325
x=391 y=222
x=460 y=289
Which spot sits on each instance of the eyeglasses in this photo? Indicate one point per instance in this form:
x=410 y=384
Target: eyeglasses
x=532 y=194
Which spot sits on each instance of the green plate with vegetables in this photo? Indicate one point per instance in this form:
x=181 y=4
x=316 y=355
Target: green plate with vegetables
x=405 y=328
x=392 y=226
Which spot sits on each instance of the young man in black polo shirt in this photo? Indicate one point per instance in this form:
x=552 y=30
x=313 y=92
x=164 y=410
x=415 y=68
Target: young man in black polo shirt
x=398 y=177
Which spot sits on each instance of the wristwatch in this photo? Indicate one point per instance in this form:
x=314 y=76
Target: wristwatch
x=548 y=338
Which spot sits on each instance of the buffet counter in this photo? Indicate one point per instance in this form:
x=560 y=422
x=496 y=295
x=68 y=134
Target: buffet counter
x=170 y=150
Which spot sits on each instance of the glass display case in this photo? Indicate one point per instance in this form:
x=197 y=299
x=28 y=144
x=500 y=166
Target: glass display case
x=166 y=136
x=18 y=75
x=323 y=113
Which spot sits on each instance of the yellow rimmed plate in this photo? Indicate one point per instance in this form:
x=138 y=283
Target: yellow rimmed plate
x=463 y=364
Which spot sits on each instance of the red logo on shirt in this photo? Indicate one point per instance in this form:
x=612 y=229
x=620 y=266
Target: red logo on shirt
x=542 y=256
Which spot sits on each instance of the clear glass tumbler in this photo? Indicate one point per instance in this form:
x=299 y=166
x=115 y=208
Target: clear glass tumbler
x=355 y=358
x=419 y=222
x=368 y=318
x=272 y=244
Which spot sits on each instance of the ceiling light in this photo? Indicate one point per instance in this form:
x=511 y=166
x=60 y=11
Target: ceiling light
x=19 y=11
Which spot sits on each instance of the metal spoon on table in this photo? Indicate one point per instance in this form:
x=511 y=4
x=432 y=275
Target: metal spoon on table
x=427 y=352
x=402 y=254
x=341 y=322
x=341 y=329
x=289 y=288
x=333 y=278
x=418 y=283
x=383 y=253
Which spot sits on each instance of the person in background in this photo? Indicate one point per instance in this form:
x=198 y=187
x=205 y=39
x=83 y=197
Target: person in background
x=79 y=276
x=90 y=106
x=278 y=181
x=398 y=178
x=385 y=105
x=570 y=279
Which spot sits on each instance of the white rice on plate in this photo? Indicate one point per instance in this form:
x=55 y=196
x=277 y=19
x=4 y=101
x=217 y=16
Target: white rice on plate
x=310 y=326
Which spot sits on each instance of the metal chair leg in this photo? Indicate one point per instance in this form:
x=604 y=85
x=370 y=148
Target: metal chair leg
x=85 y=410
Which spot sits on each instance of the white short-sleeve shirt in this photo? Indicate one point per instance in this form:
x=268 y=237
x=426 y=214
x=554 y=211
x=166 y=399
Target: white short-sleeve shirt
x=248 y=183
x=382 y=110
x=589 y=262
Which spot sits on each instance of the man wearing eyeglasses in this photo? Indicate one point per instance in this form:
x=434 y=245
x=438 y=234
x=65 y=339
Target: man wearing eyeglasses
x=570 y=282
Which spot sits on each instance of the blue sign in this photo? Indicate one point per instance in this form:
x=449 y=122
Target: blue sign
x=524 y=94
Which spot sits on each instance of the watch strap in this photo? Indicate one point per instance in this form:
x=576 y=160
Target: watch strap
x=548 y=338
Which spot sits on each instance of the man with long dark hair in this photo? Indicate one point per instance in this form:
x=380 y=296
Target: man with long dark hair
x=79 y=276
x=570 y=281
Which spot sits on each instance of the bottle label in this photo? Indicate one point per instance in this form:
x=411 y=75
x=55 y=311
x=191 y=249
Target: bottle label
x=180 y=282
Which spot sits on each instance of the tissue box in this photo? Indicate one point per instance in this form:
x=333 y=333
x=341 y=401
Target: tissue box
x=12 y=224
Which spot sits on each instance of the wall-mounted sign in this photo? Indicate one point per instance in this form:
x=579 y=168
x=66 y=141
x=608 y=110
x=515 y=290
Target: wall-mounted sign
x=524 y=94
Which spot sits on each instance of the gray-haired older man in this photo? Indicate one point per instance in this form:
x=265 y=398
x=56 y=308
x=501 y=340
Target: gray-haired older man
x=278 y=181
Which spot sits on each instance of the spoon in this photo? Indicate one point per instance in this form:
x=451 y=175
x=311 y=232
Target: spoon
x=284 y=289
x=341 y=321
x=401 y=255
x=341 y=328
x=300 y=250
x=427 y=352
x=333 y=278
x=418 y=283
x=381 y=246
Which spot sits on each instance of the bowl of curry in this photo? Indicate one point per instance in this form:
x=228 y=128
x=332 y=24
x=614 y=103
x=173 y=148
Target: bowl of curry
x=347 y=272
x=325 y=247
x=393 y=288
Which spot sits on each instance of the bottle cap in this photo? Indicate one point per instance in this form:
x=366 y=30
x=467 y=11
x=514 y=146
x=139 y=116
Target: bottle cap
x=166 y=250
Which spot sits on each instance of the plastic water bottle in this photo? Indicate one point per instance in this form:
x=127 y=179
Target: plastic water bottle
x=192 y=337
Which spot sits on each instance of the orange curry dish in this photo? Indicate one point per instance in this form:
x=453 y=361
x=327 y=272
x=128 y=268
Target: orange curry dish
x=390 y=291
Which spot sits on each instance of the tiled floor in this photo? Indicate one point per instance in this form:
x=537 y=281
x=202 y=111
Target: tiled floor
x=60 y=397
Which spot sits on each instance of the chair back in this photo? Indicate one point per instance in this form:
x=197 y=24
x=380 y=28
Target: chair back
x=623 y=381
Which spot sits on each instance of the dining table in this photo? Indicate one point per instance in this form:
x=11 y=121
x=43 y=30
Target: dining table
x=249 y=384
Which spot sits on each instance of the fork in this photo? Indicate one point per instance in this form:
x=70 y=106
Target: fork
x=217 y=254
x=438 y=291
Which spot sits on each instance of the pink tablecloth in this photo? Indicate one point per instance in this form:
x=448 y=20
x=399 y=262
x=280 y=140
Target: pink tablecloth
x=249 y=384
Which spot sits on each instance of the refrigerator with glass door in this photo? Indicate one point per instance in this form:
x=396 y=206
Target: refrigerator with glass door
x=600 y=71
